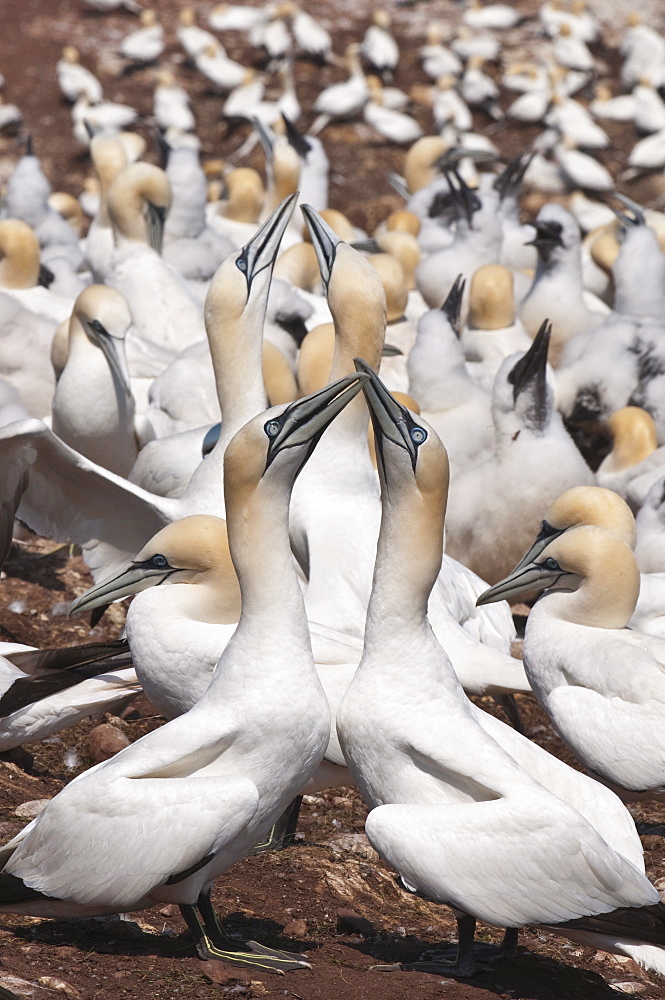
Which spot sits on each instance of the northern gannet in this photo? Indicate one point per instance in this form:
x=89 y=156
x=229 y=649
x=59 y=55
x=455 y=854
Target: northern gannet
x=557 y=291
x=534 y=458
x=171 y=104
x=379 y=47
x=164 y=310
x=342 y=100
x=147 y=43
x=453 y=792
x=635 y=462
x=93 y=406
x=603 y=508
x=338 y=590
x=213 y=782
x=494 y=16
x=74 y=79
x=450 y=400
x=60 y=494
x=601 y=683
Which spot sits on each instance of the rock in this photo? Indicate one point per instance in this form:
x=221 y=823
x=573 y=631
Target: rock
x=342 y=802
x=105 y=741
x=51 y=983
x=516 y=648
x=355 y=843
x=628 y=987
x=19 y=987
x=28 y=810
x=223 y=974
x=168 y=911
x=295 y=928
x=350 y=922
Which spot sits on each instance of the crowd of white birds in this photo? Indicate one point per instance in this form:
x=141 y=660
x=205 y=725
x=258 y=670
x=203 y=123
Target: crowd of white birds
x=173 y=344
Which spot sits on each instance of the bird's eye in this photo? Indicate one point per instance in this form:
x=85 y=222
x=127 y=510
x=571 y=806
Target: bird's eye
x=159 y=561
x=272 y=428
x=241 y=264
x=418 y=435
x=550 y=564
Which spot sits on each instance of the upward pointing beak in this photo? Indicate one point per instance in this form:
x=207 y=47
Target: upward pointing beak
x=325 y=241
x=306 y=419
x=262 y=249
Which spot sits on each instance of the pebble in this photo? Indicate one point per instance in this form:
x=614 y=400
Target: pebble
x=295 y=928
x=28 y=810
x=222 y=974
x=105 y=741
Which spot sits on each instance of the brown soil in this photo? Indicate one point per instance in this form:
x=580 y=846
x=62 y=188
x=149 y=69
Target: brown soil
x=298 y=899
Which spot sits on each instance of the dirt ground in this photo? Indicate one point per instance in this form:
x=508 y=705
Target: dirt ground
x=328 y=895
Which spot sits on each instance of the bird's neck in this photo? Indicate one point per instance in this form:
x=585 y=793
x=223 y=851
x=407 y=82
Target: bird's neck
x=408 y=560
x=272 y=603
x=237 y=360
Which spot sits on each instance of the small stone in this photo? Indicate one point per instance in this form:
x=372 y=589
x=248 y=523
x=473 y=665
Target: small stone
x=28 y=810
x=355 y=843
x=51 y=983
x=168 y=911
x=105 y=741
x=342 y=802
x=17 y=607
x=628 y=987
x=350 y=922
x=223 y=974
x=516 y=648
x=295 y=928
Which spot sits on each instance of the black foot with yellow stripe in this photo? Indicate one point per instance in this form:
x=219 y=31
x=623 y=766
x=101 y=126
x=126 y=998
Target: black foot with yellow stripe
x=283 y=833
x=212 y=944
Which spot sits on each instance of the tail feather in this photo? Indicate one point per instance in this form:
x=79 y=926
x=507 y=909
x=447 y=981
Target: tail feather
x=14 y=890
x=639 y=923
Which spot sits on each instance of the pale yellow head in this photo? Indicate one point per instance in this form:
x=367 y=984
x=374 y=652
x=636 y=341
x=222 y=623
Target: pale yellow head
x=634 y=436
x=595 y=506
x=420 y=164
x=315 y=358
x=491 y=298
x=245 y=195
x=395 y=285
x=19 y=255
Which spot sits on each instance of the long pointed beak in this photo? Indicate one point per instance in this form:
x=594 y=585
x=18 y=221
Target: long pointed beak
x=523 y=580
x=325 y=241
x=529 y=375
x=114 y=354
x=389 y=418
x=262 y=249
x=155 y=220
x=548 y=236
x=546 y=535
x=307 y=418
x=452 y=307
x=132 y=580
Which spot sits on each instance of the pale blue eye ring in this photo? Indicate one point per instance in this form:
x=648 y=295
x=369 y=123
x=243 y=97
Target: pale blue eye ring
x=159 y=561
x=241 y=263
x=272 y=428
x=551 y=564
x=418 y=435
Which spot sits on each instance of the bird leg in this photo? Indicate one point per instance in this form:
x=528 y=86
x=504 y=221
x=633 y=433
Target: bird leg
x=212 y=942
x=283 y=833
x=464 y=963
